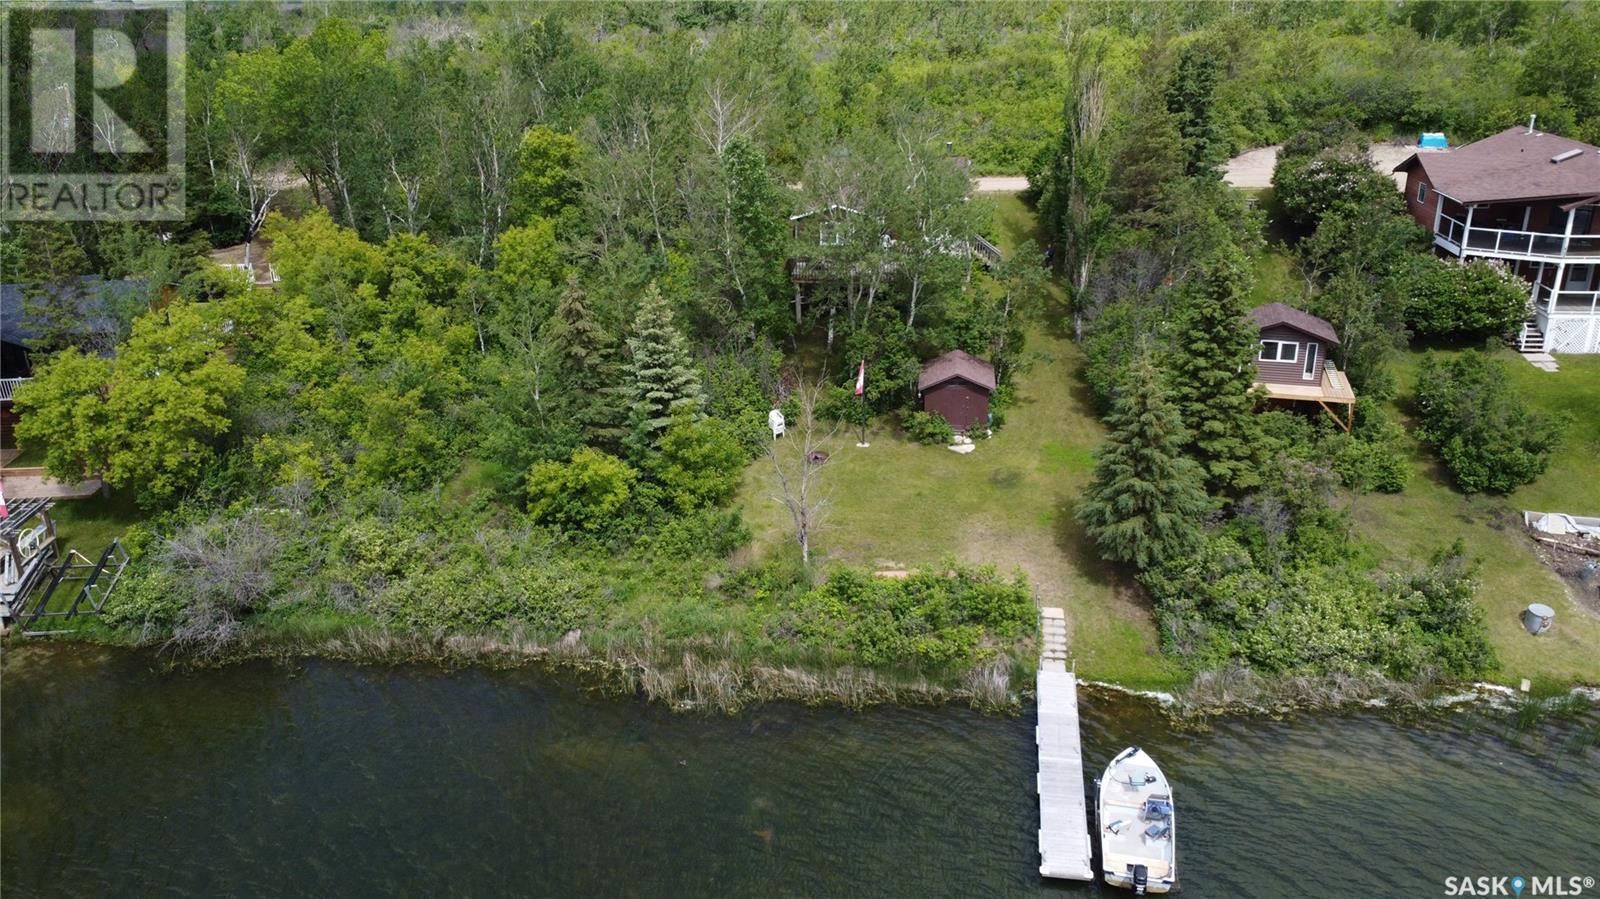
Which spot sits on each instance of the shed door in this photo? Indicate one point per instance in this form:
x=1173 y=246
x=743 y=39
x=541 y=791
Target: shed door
x=1311 y=361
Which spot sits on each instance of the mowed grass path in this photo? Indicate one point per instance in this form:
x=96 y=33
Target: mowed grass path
x=1431 y=514
x=1009 y=503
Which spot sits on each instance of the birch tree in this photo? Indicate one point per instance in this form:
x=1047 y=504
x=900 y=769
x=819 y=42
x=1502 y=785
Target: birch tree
x=798 y=462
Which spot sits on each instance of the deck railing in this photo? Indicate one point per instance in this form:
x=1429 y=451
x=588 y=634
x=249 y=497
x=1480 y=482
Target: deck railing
x=1568 y=302
x=8 y=386
x=1503 y=242
x=989 y=252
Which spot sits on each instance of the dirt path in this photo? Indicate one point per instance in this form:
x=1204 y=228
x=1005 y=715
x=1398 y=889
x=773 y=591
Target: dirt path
x=1252 y=169
x=1000 y=184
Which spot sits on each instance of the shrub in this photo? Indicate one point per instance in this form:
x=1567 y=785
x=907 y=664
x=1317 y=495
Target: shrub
x=700 y=462
x=1228 y=605
x=928 y=427
x=466 y=593
x=582 y=492
x=1309 y=187
x=1372 y=456
x=928 y=618
x=1477 y=300
x=1482 y=429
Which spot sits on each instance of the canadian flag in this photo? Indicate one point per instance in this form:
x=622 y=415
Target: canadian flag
x=861 y=378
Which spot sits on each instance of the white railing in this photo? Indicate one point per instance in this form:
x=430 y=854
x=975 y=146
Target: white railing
x=1566 y=302
x=1502 y=242
x=8 y=386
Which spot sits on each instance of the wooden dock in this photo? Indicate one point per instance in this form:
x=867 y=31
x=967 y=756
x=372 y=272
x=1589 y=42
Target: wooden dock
x=1063 y=813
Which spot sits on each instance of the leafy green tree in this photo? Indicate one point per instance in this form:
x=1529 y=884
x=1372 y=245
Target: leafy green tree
x=1370 y=323
x=700 y=462
x=583 y=492
x=1486 y=434
x=63 y=408
x=149 y=419
x=1144 y=504
x=752 y=239
x=1563 y=60
x=662 y=380
x=328 y=87
x=1213 y=378
x=546 y=185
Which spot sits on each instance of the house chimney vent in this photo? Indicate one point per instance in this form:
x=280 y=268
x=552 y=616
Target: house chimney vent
x=1563 y=157
x=1531 y=120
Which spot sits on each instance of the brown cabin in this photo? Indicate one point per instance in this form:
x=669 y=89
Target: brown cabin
x=958 y=386
x=1529 y=200
x=1292 y=361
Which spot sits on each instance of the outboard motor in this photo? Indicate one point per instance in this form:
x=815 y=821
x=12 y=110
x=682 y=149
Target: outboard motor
x=1141 y=879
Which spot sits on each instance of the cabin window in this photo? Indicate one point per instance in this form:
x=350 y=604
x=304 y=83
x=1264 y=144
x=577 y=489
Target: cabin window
x=1311 y=361
x=830 y=235
x=1279 y=351
x=1422 y=192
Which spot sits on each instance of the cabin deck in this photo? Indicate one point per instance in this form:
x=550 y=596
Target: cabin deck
x=1063 y=808
x=1332 y=390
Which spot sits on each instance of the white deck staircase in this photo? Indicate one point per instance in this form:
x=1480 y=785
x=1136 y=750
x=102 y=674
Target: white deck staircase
x=1530 y=343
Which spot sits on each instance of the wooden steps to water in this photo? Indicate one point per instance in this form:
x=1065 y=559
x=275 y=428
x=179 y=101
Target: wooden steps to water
x=1064 y=850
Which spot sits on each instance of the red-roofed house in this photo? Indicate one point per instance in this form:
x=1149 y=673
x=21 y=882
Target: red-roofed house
x=1527 y=199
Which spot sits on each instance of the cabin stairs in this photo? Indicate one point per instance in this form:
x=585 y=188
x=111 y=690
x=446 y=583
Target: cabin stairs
x=1530 y=343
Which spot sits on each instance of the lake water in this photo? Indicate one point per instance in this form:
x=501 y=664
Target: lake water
x=322 y=778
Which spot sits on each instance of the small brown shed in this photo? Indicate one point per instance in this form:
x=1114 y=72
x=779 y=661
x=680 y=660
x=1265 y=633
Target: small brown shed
x=958 y=386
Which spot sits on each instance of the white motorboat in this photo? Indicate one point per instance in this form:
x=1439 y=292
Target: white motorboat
x=1138 y=825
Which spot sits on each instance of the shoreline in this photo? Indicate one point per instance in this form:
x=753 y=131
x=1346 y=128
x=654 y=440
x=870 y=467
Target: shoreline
x=690 y=683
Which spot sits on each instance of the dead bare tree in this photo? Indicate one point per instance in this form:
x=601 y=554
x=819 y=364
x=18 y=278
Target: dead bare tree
x=725 y=116
x=798 y=482
x=221 y=569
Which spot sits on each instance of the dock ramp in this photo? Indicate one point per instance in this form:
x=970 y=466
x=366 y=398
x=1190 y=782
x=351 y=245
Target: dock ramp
x=1063 y=802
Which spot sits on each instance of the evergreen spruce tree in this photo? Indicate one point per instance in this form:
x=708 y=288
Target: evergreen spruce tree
x=662 y=379
x=1213 y=378
x=586 y=366
x=1144 y=503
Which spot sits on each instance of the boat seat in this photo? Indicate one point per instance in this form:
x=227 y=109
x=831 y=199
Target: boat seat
x=1158 y=831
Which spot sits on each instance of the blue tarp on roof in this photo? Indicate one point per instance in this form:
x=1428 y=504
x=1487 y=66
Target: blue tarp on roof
x=1434 y=140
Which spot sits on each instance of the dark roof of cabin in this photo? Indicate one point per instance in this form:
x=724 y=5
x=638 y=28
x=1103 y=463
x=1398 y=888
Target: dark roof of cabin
x=956 y=364
x=1280 y=314
x=1512 y=165
x=93 y=295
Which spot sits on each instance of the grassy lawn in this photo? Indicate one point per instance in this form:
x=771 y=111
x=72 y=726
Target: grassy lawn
x=89 y=525
x=1010 y=503
x=30 y=457
x=1431 y=513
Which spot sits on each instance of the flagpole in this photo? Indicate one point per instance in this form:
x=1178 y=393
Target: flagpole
x=861 y=391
